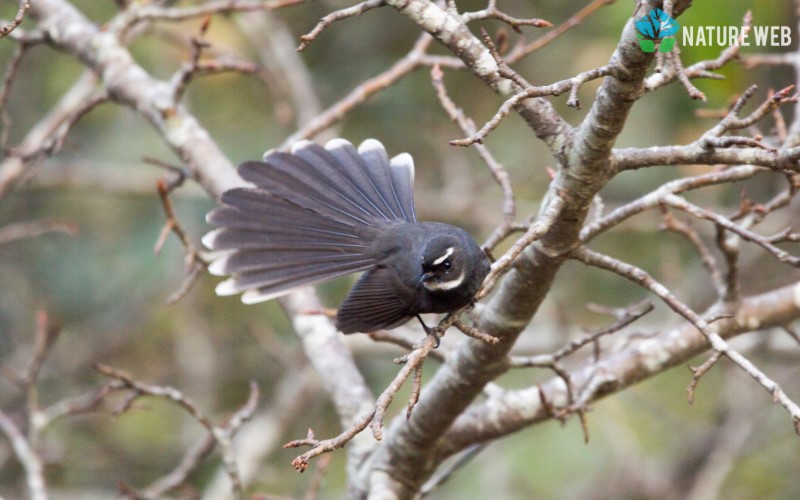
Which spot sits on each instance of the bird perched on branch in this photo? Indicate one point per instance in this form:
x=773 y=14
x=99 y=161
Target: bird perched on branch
x=321 y=212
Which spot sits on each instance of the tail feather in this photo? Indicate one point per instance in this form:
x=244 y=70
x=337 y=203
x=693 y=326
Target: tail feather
x=258 y=211
x=313 y=215
x=271 y=259
x=402 y=167
x=242 y=240
x=267 y=284
x=357 y=171
x=375 y=155
x=290 y=178
x=346 y=173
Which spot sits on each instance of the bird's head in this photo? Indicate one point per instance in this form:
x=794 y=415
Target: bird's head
x=443 y=264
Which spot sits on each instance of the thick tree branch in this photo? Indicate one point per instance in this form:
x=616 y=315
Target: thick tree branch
x=449 y=29
x=513 y=410
x=407 y=461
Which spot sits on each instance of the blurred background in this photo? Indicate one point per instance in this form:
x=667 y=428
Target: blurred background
x=108 y=290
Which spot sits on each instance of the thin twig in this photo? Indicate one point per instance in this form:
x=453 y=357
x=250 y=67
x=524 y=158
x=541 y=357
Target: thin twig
x=626 y=316
x=675 y=58
x=522 y=50
x=416 y=389
x=536 y=230
x=411 y=362
x=528 y=91
x=764 y=242
x=24 y=5
x=698 y=372
x=191 y=460
x=499 y=172
x=475 y=333
x=702 y=69
x=336 y=112
x=643 y=279
x=222 y=434
x=319 y=447
x=392 y=337
x=17 y=231
x=355 y=10
x=28 y=458
x=707 y=258
x=194 y=262
x=492 y=12
x=655 y=198
x=5 y=91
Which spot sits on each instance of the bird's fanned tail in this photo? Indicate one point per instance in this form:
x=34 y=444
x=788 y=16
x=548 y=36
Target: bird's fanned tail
x=313 y=215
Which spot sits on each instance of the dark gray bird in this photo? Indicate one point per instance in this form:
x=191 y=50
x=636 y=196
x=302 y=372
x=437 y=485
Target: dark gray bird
x=319 y=213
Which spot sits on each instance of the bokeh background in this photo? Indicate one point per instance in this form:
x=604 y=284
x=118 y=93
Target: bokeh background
x=108 y=289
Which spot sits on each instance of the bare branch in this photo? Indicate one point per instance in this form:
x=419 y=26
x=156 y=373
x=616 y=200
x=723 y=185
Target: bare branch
x=5 y=92
x=14 y=166
x=136 y=12
x=17 y=231
x=411 y=362
x=733 y=122
x=30 y=461
x=643 y=279
x=539 y=228
x=24 y=5
x=194 y=263
x=319 y=447
x=492 y=12
x=196 y=67
x=355 y=10
x=362 y=92
x=627 y=316
x=764 y=242
x=655 y=198
x=475 y=333
x=675 y=58
x=221 y=434
x=512 y=410
x=709 y=262
x=191 y=459
x=698 y=372
x=468 y=126
x=701 y=69
x=522 y=50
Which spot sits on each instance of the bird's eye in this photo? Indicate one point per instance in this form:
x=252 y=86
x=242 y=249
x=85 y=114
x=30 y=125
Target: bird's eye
x=446 y=265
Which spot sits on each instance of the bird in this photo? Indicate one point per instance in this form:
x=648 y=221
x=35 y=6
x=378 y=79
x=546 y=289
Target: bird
x=316 y=213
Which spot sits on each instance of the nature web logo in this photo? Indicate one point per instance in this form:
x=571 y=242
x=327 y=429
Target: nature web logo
x=656 y=26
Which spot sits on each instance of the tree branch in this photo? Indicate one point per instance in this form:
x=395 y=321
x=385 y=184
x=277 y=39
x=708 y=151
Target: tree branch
x=511 y=410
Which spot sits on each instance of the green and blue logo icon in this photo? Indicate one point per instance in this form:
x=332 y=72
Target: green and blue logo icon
x=657 y=26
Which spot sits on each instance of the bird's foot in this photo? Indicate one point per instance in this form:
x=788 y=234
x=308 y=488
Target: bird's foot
x=434 y=332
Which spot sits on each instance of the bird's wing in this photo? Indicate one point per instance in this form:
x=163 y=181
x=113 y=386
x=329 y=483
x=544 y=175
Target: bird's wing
x=372 y=304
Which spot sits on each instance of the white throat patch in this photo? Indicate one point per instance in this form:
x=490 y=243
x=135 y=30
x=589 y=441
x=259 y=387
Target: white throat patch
x=444 y=257
x=442 y=286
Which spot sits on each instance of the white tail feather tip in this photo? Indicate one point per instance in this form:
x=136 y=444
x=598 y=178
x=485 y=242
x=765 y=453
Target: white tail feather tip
x=297 y=146
x=404 y=161
x=227 y=287
x=217 y=266
x=371 y=145
x=337 y=143
x=254 y=296
x=209 y=239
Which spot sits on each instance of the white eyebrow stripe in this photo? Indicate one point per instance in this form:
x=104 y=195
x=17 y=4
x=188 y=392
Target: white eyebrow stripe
x=444 y=257
x=444 y=285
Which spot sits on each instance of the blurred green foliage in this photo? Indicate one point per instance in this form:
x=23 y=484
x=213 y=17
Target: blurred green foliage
x=108 y=289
